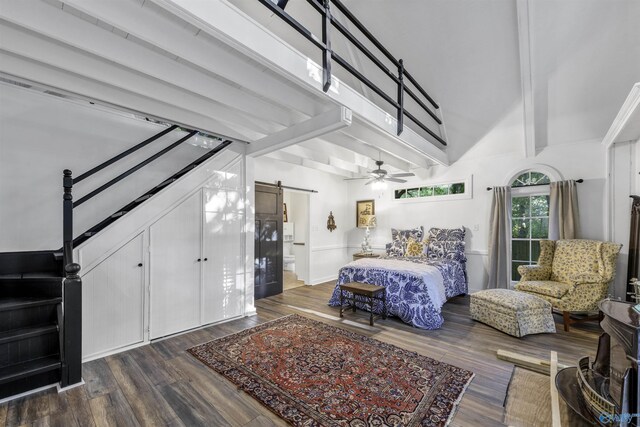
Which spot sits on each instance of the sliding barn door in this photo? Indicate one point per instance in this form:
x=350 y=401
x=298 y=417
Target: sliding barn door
x=268 y=241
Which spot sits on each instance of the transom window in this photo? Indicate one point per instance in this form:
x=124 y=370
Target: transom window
x=529 y=219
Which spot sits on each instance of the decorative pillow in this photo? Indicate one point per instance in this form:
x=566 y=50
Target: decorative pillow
x=414 y=248
x=447 y=234
x=450 y=249
x=396 y=248
x=416 y=234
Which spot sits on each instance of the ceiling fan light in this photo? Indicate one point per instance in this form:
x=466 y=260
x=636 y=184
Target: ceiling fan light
x=379 y=185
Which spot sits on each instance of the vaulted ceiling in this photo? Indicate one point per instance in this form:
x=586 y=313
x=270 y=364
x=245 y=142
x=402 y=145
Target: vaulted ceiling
x=575 y=60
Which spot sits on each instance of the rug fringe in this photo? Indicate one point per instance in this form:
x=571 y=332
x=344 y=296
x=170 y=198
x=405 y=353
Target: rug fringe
x=456 y=404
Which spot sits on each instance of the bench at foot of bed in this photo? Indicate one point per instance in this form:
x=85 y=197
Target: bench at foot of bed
x=369 y=294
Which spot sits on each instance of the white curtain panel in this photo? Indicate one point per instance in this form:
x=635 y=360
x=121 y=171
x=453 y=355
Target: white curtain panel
x=500 y=239
x=564 y=218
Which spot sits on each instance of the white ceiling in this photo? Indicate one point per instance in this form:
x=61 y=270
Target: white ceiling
x=585 y=57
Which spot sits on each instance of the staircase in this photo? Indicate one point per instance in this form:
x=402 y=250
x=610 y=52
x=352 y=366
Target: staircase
x=30 y=321
x=41 y=292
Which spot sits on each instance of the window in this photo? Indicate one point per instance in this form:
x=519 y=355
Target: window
x=529 y=219
x=435 y=191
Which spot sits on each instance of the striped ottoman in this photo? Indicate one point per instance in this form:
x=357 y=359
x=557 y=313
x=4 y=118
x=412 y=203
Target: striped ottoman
x=512 y=312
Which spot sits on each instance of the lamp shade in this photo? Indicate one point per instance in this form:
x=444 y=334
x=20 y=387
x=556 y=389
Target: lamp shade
x=368 y=221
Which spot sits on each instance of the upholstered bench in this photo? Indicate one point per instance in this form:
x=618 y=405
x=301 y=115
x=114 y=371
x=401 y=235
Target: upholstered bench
x=512 y=312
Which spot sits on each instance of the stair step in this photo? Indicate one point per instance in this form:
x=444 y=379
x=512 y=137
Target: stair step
x=17 y=303
x=58 y=256
x=20 y=334
x=28 y=369
x=46 y=276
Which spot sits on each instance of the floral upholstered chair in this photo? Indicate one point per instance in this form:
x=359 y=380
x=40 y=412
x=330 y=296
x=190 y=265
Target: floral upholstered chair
x=573 y=275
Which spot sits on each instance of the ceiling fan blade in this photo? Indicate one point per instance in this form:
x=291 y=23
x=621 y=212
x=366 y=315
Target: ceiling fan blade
x=399 y=175
x=394 y=179
x=353 y=179
x=369 y=182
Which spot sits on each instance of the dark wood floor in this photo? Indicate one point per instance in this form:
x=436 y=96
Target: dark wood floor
x=160 y=384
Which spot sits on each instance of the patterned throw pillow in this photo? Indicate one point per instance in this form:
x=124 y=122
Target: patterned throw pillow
x=414 y=248
x=397 y=248
x=451 y=249
x=447 y=234
x=416 y=234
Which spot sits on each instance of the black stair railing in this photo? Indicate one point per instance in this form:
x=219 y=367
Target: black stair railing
x=323 y=7
x=71 y=328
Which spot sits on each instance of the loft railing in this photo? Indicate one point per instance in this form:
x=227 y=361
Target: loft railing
x=323 y=7
x=71 y=328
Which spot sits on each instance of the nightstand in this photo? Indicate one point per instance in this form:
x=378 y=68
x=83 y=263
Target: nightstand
x=360 y=255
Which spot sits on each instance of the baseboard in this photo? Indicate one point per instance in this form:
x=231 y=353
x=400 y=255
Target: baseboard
x=27 y=393
x=324 y=279
x=69 y=387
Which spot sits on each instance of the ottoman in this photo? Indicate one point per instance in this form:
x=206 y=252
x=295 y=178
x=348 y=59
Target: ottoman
x=512 y=312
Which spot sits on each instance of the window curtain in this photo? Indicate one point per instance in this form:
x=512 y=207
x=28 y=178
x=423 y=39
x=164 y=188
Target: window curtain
x=564 y=219
x=500 y=239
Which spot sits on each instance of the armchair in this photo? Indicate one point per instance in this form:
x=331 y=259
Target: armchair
x=573 y=275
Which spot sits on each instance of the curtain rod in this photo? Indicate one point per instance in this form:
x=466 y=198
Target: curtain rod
x=279 y=184
x=536 y=185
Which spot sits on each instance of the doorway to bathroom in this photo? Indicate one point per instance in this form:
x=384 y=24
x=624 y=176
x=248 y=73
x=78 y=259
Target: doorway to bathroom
x=295 y=236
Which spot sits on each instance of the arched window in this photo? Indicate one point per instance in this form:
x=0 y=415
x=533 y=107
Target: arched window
x=529 y=218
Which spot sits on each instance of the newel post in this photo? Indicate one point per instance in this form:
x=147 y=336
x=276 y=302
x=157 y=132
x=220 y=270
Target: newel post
x=67 y=216
x=72 y=326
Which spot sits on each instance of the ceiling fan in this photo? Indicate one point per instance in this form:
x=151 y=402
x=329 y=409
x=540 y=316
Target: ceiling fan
x=380 y=175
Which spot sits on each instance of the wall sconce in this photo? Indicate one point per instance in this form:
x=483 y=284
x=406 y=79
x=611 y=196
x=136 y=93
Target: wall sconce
x=331 y=222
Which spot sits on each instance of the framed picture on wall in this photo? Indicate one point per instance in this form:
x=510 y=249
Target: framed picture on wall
x=285 y=215
x=364 y=210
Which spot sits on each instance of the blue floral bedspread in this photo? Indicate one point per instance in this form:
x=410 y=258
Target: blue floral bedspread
x=407 y=294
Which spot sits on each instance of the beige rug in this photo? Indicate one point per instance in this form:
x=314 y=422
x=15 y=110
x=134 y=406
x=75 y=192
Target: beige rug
x=528 y=402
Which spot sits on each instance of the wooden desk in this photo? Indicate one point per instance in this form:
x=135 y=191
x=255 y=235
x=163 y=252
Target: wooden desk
x=370 y=293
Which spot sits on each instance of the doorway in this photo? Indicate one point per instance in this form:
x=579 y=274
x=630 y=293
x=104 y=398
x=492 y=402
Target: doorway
x=295 y=257
x=268 y=241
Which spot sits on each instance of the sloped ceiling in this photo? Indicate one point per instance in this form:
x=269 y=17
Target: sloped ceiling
x=585 y=57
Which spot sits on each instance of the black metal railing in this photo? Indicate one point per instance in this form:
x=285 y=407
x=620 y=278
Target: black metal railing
x=71 y=328
x=323 y=7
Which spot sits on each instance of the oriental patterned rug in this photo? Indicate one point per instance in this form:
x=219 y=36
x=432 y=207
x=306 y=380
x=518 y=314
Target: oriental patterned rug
x=313 y=374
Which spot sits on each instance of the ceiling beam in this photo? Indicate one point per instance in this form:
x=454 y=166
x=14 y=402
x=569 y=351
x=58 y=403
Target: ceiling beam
x=525 y=42
x=371 y=153
x=49 y=53
x=68 y=29
x=312 y=164
x=153 y=25
x=330 y=121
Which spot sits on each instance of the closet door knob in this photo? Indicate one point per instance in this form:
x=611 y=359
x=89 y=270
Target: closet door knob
x=206 y=259
x=139 y=264
x=199 y=259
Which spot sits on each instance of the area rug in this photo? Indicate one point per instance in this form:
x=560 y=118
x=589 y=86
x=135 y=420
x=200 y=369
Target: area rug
x=313 y=374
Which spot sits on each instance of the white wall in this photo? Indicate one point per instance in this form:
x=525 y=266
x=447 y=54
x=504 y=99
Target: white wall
x=573 y=161
x=41 y=135
x=625 y=165
x=328 y=250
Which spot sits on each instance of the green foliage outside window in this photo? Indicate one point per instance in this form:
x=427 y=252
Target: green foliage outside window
x=430 y=191
x=529 y=222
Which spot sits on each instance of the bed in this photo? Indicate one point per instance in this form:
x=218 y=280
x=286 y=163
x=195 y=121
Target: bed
x=418 y=285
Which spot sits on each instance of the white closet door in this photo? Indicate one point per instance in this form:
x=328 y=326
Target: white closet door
x=223 y=278
x=175 y=269
x=113 y=301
